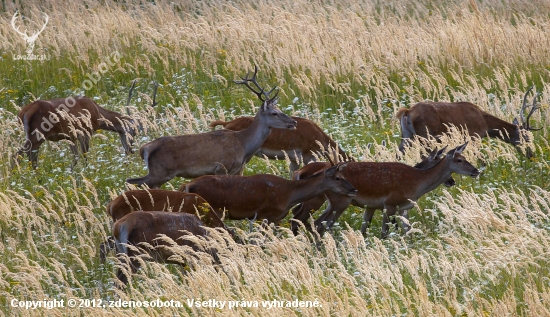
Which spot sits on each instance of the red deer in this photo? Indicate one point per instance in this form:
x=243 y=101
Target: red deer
x=303 y=211
x=392 y=187
x=299 y=144
x=433 y=118
x=212 y=153
x=265 y=196
x=160 y=200
x=74 y=119
x=143 y=228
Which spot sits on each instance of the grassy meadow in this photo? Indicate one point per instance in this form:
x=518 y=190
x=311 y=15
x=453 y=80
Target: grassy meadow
x=481 y=248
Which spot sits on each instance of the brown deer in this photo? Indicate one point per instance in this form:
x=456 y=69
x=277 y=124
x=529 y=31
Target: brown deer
x=160 y=200
x=300 y=144
x=303 y=211
x=212 y=153
x=265 y=196
x=75 y=119
x=433 y=118
x=392 y=187
x=143 y=229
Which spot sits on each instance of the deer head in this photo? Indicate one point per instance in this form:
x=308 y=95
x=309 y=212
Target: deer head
x=275 y=118
x=459 y=164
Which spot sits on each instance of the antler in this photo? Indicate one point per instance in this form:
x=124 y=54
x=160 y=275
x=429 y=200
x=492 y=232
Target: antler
x=534 y=107
x=43 y=27
x=24 y=34
x=16 y=28
x=246 y=80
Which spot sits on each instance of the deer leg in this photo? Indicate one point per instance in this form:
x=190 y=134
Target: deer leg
x=304 y=211
x=33 y=155
x=74 y=147
x=105 y=247
x=294 y=166
x=367 y=218
x=405 y=222
x=335 y=208
x=127 y=142
x=30 y=150
x=388 y=212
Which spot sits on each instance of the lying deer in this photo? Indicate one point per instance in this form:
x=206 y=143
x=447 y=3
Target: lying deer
x=303 y=211
x=75 y=119
x=392 y=187
x=160 y=200
x=265 y=196
x=300 y=144
x=143 y=229
x=433 y=118
x=222 y=152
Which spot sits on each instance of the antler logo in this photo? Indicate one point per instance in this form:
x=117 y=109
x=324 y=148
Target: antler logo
x=29 y=39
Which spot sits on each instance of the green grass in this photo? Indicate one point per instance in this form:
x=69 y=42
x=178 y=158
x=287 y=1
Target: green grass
x=52 y=219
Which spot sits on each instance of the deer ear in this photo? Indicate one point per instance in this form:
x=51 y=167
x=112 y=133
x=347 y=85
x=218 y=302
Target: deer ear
x=459 y=149
x=433 y=154
x=331 y=171
x=515 y=121
x=264 y=106
x=440 y=152
x=342 y=167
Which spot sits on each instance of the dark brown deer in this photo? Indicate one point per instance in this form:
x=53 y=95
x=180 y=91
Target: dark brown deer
x=433 y=118
x=159 y=200
x=303 y=211
x=391 y=186
x=300 y=144
x=265 y=196
x=143 y=228
x=75 y=119
x=222 y=152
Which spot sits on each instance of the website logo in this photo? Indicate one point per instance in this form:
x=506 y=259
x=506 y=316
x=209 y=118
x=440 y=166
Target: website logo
x=29 y=39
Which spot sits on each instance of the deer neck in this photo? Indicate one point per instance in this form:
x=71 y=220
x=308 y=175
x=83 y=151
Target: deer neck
x=431 y=178
x=110 y=120
x=497 y=128
x=254 y=136
x=307 y=188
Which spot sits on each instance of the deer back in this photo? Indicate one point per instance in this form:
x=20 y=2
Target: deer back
x=263 y=193
x=44 y=116
x=162 y=200
x=146 y=226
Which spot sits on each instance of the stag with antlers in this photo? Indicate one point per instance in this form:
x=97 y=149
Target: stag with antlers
x=218 y=152
x=434 y=118
x=298 y=145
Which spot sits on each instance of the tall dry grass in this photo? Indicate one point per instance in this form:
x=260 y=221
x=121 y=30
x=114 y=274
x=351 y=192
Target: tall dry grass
x=478 y=249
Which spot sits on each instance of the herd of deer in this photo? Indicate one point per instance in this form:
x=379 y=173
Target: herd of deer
x=216 y=160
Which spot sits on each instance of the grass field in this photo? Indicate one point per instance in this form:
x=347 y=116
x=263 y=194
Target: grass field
x=480 y=248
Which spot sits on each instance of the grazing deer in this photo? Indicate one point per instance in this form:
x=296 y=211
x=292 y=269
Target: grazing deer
x=144 y=228
x=74 y=119
x=299 y=144
x=433 y=118
x=303 y=211
x=160 y=200
x=392 y=187
x=265 y=196
x=212 y=153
